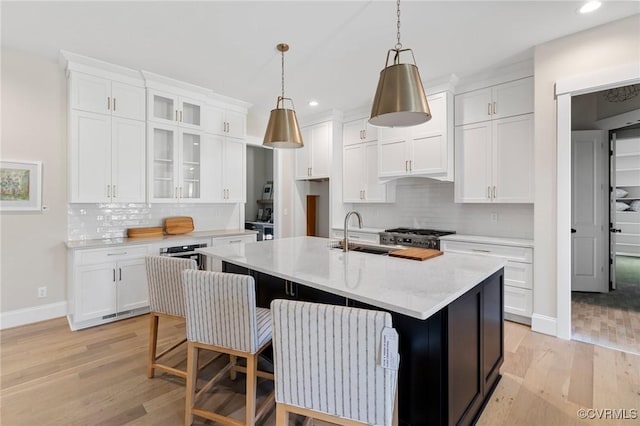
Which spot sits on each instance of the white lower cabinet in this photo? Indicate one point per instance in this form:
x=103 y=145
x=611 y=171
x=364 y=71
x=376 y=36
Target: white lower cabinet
x=107 y=285
x=518 y=273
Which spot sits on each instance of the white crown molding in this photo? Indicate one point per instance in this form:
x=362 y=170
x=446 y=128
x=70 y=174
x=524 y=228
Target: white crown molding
x=72 y=62
x=497 y=75
x=329 y=115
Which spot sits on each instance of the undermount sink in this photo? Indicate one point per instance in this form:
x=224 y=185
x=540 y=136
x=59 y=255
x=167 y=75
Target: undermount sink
x=363 y=248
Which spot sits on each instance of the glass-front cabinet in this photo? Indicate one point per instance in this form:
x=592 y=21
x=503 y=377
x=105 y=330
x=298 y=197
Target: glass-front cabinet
x=168 y=108
x=175 y=164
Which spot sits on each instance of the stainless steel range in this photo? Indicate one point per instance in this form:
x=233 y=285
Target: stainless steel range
x=426 y=238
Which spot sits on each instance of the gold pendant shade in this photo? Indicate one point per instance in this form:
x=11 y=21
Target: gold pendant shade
x=400 y=100
x=283 y=130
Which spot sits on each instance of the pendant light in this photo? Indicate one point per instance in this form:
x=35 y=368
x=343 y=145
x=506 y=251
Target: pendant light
x=400 y=100
x=283 y=130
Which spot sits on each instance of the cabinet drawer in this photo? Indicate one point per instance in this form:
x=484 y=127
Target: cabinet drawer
x=220 y=241
x=86 y=257
x=518 y=274
x=356 y=236
x=521 y=254
x=518 y=301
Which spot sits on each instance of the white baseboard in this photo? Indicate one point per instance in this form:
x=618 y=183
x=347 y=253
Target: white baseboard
x=31 y=315
x=544 y=324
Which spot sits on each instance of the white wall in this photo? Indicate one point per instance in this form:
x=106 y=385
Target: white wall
x=34 y=128
x=610 y=45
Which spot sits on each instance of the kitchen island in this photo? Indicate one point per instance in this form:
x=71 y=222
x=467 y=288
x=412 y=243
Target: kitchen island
x=447 y=310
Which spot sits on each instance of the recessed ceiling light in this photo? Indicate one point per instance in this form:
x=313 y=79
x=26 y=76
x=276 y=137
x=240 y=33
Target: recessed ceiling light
x=590 y=6
x=313 y=103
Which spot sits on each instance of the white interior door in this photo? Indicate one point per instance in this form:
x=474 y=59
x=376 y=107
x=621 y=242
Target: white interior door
x=612 y=212
x=589 y=211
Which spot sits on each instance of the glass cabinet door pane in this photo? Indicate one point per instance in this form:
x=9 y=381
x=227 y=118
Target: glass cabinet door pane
x=164 y=108
x=191 y=113
x=163 y=163
x=190 y=165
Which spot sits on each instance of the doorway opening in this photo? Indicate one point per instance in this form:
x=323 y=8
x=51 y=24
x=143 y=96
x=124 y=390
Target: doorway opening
x=605 y=218
x=259 y=210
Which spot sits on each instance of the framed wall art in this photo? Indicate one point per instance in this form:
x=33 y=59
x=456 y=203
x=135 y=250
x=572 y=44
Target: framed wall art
x=20 y=185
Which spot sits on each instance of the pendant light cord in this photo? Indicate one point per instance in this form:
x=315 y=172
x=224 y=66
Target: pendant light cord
x=398 y=44
x=282 y=73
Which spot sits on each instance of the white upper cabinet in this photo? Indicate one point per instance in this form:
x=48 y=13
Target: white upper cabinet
x=503 y=100
x=360 y=165
x=358 y=131
x=168 y=108
x=175 y=164
x=224 y=122
x=425 y=150
x=106 y=137
x=494 y=144
x=225 y=172
x=494 y=161
x=313 y=160
x=104 y=96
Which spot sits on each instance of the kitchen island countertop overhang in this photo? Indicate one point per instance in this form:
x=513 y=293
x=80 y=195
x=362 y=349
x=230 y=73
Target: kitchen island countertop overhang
x=417 y=289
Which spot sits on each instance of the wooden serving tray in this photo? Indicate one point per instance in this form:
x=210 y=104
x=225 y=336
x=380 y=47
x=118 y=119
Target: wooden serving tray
x=155 y=231
x=416 y=253
x=178 y=225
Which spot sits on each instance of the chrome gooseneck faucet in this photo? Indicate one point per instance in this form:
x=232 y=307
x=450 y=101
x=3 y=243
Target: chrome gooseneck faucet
x=345 y=243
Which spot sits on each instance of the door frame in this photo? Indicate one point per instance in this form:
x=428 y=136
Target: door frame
x=564 y=89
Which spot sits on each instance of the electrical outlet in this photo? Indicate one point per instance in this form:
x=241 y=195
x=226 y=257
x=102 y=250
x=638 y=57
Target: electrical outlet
x=42 y=292
x=494 y=217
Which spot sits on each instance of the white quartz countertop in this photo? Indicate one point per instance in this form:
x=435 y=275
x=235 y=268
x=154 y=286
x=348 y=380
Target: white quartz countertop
x=110 y=242
x=415 y=288
x=504 y=241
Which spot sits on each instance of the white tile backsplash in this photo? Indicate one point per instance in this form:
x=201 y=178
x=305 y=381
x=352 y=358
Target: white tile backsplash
x=426 y=203
x=94 y=221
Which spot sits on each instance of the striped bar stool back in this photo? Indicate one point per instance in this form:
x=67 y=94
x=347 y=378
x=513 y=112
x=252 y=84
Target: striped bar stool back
x=222 y=316
x=327 y=364
x=166 y=299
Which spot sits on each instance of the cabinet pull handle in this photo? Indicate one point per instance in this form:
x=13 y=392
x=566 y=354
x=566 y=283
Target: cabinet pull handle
x=489 y=108
x=488 y=192
x=494 y=192
x=108 y=190
x=114 y=104
x=495 y=110
x=481 y=251
x=410 y=165
x=286 y=287
x=117 y=254
x=364 y=134
x=119 y=274
x=176 y=196
x=235 y=241
x=181 y=116
x=176 y=118
x=291 y=287
x=108 y=103
x=180 y=192
x=114 y=187
x=364 y=194
x=406 y=166
x=114 y=274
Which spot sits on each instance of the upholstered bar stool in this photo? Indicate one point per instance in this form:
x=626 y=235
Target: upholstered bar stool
x=327 y=364
x=166 y=300
x=222 y=316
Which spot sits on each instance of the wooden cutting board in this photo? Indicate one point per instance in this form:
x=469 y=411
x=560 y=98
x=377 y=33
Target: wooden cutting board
x=155 y=231
x=178 y=225
x=416 y=253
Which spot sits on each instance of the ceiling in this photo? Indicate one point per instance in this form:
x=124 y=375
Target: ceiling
x=337 y=47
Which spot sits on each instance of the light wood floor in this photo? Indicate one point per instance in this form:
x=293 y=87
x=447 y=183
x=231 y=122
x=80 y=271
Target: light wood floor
x=52 y=376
